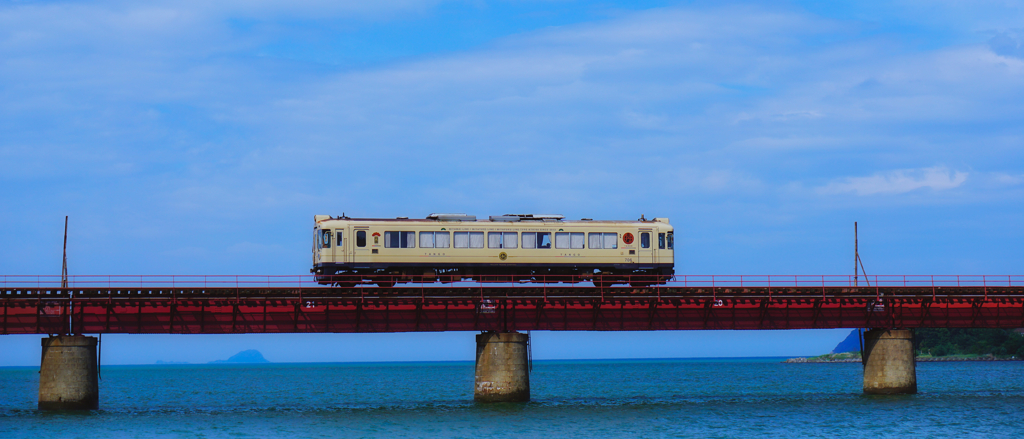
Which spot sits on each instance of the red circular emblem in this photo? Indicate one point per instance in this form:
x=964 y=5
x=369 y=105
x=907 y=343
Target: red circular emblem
x=627 y=238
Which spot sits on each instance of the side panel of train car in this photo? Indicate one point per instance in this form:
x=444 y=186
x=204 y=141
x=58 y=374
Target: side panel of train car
x=638 y=252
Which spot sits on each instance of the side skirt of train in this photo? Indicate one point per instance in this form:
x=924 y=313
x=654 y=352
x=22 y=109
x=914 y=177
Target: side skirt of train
x=348 y=275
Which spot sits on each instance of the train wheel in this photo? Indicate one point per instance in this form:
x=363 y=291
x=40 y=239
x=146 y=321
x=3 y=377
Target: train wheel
x=385 y=283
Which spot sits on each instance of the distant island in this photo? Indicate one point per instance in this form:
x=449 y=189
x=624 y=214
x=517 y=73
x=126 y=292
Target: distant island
x=247 y=356
x=939 y=344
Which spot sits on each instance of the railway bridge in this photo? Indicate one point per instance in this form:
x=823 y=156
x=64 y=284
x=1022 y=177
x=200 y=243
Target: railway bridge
x=500 y=309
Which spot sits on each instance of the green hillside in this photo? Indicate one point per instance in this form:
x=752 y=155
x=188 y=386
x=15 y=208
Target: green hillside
x=942 y=342
x=938 y=344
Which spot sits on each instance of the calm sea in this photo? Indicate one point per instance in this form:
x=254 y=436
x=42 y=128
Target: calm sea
x=653 y=398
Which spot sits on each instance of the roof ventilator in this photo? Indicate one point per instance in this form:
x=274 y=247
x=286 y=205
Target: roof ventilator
x=451 y=217
x=526 y=217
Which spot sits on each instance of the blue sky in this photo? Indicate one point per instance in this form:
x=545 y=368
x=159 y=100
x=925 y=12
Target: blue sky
x=189 y=138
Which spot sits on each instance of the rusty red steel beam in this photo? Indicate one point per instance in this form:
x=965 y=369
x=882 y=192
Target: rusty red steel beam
x=486 y=281
x=446 y=308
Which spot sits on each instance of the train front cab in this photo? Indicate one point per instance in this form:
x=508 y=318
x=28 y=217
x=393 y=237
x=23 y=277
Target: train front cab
x=331 y=248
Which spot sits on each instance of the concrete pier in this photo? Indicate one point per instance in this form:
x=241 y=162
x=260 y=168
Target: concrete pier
x=67 y=375
x=889 y=365
x=502 y=367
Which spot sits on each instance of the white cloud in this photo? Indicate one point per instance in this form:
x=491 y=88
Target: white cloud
x=897 y=182
x=782 y=117
x=791 y=143
x=1007 y=179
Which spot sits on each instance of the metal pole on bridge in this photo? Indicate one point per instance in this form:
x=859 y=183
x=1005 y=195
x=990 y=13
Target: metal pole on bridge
x=64 y=268
x=856 y=253
x=856 y=260
x=64 y=281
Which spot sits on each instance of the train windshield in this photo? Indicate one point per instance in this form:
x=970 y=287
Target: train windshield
x=671 y=240
x=325 y=239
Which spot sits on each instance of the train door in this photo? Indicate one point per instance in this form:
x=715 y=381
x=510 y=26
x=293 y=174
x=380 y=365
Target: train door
x=340 y=246
x=646 y=249
x=361 y=240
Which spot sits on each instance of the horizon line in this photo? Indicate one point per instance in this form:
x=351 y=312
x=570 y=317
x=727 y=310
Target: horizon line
x=223 y=363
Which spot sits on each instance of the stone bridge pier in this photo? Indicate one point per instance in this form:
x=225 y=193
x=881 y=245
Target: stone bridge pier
x=68 y=377
x=502 y=367
x=889 y=365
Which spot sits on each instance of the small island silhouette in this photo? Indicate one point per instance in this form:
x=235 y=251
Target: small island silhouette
x=247 y=356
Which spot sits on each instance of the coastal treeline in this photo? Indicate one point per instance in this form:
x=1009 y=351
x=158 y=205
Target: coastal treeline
x=938 y=344
x=943 y=342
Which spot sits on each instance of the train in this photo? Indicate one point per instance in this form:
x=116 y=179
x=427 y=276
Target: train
x=502 y=248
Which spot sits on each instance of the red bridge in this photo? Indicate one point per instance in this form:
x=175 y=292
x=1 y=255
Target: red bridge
x=277 y=304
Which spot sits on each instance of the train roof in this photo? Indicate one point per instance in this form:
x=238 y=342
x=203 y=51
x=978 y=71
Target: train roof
x=461 y=217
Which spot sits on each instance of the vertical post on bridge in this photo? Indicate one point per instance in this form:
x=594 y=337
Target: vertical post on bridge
x=64 y=282
x=889 y=364
x=502 y=367
x=64 y=267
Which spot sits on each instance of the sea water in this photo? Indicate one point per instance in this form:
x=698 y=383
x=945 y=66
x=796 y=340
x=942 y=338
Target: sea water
x=621 y=398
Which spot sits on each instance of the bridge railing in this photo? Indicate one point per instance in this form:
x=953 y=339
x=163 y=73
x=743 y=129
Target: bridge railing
x=750 y=281
x=505 y=281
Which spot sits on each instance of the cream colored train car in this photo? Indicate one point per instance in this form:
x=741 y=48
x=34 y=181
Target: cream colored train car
x=503 y=248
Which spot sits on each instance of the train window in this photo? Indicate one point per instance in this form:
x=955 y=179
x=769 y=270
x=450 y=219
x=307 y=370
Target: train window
x=671 y=240
x=339 y=233
x=325 y=239
x=569 y=240
x=611 y=240
x=469 y=239
x=502 y=240
x=434 y=239
x=603 y=240
x=399 y=239
x=536 y=240
x=645 y=240
x=529 y=240
x=661 y=240
x=361 y=238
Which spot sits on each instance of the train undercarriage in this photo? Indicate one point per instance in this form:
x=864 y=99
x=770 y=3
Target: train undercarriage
x=390 y=276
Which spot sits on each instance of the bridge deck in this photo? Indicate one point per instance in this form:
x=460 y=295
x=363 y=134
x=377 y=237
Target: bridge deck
x=247 y=308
